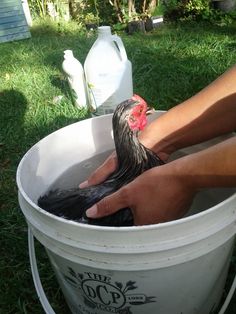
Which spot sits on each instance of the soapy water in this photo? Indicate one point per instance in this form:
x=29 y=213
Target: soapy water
x=76 y=174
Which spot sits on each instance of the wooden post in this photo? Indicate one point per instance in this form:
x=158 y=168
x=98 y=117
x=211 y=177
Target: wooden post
x=13 y=24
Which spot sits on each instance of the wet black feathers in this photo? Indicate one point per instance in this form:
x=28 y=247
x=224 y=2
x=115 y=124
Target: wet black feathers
x=133 y=159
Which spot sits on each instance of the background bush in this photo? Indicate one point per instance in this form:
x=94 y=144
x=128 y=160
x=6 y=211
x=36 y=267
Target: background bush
x=118 y=12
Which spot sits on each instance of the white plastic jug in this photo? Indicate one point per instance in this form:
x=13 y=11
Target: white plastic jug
x=108 y=72
x=76 y=79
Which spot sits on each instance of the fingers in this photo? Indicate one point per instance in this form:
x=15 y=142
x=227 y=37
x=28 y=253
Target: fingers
x=102 y=172
x=109 y=205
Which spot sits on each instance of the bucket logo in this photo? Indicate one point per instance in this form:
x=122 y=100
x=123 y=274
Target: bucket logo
x=99 y=292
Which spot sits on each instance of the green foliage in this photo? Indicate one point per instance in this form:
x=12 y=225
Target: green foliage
x=218 y=17
x=54 y=8
x=38 y=7
x=196 y=6
x=95 y=11
x=196 y=10
x=120 y=12
x=175 y=9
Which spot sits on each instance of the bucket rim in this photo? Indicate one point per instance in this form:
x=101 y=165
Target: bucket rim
x=107 y=228
x=180 y=221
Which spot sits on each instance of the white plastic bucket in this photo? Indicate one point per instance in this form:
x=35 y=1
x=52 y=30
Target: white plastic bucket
x=170 y=268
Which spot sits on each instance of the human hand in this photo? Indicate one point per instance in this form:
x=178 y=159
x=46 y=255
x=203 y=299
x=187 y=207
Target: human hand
x=158 y=195
x=107 y=168
x=102 y=172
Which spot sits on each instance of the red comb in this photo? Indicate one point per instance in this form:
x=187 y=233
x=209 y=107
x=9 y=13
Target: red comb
x=138 y=99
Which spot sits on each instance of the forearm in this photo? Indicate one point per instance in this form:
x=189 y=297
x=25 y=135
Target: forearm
x=213 y=167
x=210 y=113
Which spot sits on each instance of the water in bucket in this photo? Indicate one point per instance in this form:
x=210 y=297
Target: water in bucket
x=76 y=174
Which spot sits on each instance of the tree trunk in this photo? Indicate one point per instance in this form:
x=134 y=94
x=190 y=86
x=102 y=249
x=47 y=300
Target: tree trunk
x=149 y=6
x=72 y=8
x=152 y=5
x=131 y=8
x=118 y=10
x=144 y=6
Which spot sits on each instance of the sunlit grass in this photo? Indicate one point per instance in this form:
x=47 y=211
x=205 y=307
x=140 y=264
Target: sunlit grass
x=169 y=65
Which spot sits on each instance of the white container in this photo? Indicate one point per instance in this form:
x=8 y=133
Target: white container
x=169 y=268
x=108 y=72
x=76 y=79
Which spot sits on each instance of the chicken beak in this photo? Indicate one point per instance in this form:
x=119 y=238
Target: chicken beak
x=150 y=110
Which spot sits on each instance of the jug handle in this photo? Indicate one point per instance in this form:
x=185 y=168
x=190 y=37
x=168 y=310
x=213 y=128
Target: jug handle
x=120 y=46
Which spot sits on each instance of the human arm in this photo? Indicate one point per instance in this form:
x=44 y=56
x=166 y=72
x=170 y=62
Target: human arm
x=165 y=193
x=209 y=113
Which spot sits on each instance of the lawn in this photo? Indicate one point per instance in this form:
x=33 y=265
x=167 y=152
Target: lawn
x=169 y=65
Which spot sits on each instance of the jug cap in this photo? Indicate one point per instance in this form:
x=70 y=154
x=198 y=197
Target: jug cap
x=68 y=54
x=104 y=30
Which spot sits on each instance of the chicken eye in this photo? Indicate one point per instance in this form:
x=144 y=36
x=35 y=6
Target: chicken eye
x=137 y=111
x=140 y=109
x=132 y=118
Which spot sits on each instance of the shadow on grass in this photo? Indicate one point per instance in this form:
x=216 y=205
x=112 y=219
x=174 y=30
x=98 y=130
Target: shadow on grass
x=161 y=74
x=15 y=139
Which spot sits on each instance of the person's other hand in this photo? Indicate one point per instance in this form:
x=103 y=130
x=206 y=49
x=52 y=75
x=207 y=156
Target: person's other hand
x=107 y=168
x=102 y=172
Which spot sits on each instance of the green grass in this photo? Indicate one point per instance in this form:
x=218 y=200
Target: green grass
x=169 y=65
